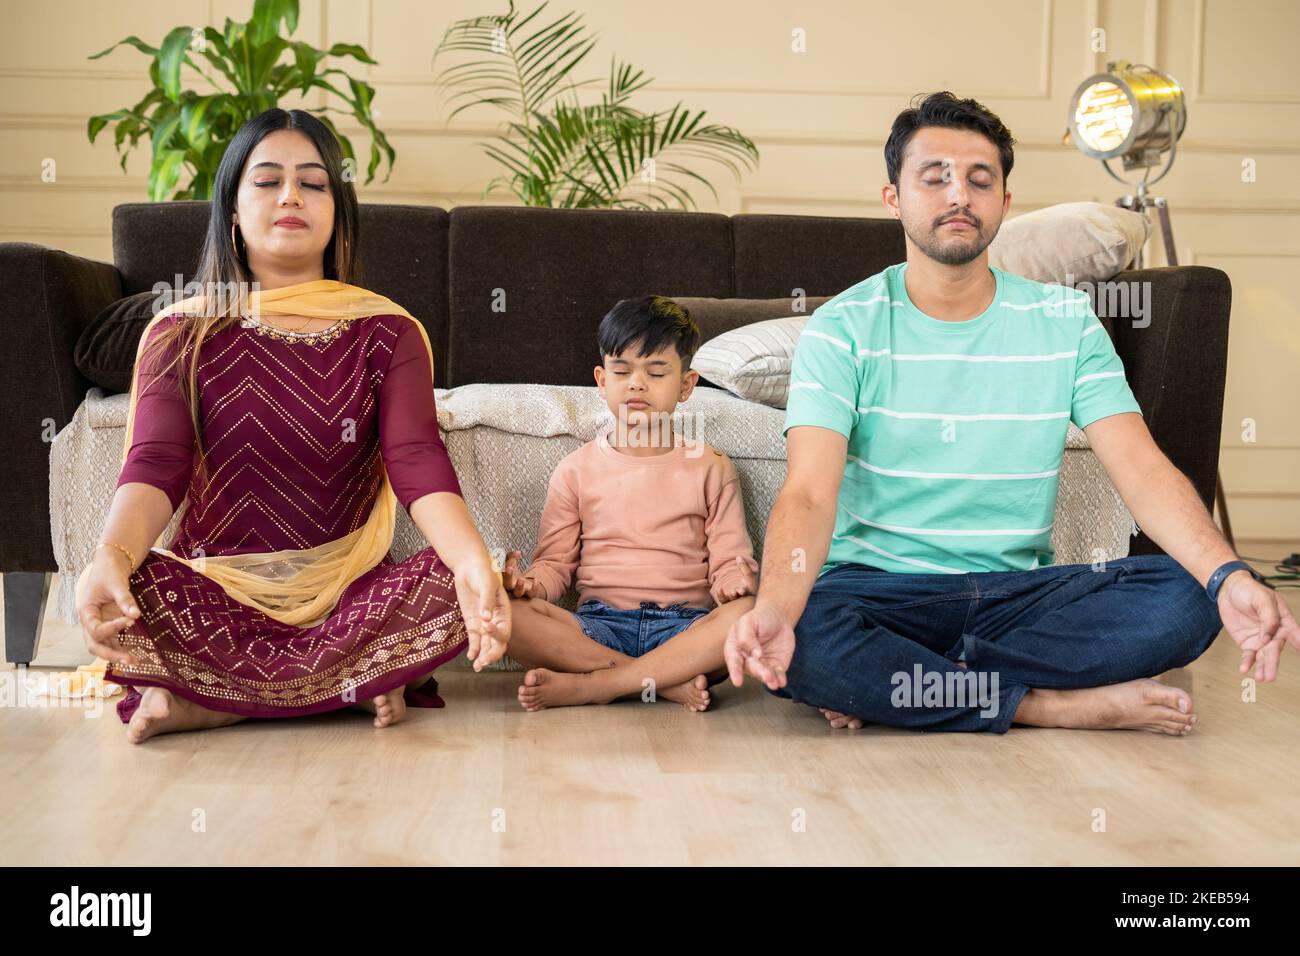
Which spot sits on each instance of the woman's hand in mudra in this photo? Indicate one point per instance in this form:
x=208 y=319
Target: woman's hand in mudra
x=107 y=607
x=485 y=605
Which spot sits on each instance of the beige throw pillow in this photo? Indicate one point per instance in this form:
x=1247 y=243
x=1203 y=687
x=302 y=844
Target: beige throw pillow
x=1070 y=242
x=753 y=361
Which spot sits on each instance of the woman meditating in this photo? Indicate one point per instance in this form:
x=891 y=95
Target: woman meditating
x=289 y=422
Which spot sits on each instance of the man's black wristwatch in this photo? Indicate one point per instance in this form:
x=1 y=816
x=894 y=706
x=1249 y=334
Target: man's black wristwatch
x=1216 y=579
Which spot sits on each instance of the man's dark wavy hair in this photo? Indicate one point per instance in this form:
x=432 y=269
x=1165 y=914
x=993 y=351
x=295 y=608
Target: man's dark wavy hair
x=947 y=111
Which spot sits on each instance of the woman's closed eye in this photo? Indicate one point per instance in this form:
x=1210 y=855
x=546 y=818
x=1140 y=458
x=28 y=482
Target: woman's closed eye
x=277 y=182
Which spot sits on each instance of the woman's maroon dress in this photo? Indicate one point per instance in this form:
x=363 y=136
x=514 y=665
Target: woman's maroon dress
x=295 y=433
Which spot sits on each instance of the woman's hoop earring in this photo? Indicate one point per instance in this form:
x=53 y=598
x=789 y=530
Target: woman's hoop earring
x=234 y=245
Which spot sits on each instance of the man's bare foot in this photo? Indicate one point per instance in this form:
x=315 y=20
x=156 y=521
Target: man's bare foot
x=692 y=694
x=388 y=708
x=162 y=712
x=1142 y=704
x=839 y=720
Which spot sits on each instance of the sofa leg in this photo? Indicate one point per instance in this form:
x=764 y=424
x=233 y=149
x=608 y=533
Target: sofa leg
x=25 y=595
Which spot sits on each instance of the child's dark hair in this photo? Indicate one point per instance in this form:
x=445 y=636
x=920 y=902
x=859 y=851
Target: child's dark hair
x=945 y=110
x=655 y=322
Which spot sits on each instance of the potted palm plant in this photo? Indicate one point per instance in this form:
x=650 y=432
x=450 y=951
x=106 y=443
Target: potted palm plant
x=557 y=150
x=247 y=72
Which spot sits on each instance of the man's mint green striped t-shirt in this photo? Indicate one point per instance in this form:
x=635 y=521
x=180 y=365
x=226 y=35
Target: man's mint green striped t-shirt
x=956 y=430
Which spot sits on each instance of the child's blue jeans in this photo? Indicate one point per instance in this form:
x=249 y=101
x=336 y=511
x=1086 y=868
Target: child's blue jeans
x=884 y=646
x=636 y=631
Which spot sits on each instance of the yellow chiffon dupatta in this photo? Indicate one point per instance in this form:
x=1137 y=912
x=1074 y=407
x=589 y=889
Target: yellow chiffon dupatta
x=298 y=587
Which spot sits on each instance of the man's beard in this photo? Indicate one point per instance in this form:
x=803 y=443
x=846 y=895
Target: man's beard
x=956 y=251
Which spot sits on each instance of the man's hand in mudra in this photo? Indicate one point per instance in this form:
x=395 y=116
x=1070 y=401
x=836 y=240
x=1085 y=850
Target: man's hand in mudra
x=762 y=643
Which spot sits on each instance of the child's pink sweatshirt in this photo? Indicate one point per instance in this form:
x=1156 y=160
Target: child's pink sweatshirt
x=664 y=528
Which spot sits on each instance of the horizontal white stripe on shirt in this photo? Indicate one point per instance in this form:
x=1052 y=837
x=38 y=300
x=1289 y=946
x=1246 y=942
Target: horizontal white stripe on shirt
x=871 y=301
x=1049 y=357
x=1044 y=303
x=1089 y=378
x=838 y=343
x=1048 y=304
x=898 y=557
x=960 y=532
x=815 y=386
x=955 y=416
x=954 y=475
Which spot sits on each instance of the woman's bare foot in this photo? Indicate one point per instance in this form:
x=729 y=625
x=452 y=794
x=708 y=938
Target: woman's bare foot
x=162 y=712
x=1142 y=704
x=388 y=708
x=544 y=688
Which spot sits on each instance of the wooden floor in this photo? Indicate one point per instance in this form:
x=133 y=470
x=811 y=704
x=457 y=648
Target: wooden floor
x=757 y=780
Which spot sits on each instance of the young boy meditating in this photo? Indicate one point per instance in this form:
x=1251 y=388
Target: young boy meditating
x=650 y=524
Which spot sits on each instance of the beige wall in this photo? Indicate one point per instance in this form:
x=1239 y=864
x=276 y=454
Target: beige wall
x=819 y=118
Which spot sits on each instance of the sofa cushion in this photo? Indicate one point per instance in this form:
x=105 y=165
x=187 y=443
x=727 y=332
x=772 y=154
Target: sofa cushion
x=753 y=361
x=823 y=255
x=527 y=282
x=1070 y=242
x=717 y=317
x=105 y=351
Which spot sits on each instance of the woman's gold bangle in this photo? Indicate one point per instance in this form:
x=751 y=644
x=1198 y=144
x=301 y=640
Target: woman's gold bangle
x=108 y=544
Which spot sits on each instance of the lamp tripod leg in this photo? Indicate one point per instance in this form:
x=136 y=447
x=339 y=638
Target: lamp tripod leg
x=1166 y=232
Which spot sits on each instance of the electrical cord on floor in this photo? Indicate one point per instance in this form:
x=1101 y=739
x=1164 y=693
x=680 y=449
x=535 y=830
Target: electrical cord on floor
x=1288 y=569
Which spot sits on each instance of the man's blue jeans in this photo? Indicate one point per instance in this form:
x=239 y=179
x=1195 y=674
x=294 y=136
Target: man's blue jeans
x=884 y=646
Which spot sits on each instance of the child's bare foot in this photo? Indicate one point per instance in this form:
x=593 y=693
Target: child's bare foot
x=1142 y=704
x=692 y=694
x=162 y=712
x=544 y=688
x=388 y=708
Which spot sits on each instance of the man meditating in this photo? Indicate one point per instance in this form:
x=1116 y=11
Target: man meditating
x=911 y=541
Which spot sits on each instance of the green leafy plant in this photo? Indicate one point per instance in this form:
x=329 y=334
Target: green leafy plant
x=189 y=131
x=559 y=152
